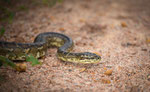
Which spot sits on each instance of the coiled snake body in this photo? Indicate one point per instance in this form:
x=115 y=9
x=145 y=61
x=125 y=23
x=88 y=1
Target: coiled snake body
x=18 y=51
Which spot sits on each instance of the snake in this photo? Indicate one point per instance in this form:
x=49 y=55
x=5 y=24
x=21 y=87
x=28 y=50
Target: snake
x=43 y=41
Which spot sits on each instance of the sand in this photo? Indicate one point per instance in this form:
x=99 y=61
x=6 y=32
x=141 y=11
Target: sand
x=118 y=30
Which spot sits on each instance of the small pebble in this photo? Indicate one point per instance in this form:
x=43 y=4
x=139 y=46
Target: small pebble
x=123 y=24
x=82 y=70
x=108 y=72
x=21 y=67
x=61 y=29
x=106 y=81
x=148 y=77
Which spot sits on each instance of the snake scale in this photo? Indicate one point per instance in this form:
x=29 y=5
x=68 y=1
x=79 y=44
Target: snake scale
x=18 y=51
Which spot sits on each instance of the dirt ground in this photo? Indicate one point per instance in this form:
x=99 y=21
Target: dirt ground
x=119 y=30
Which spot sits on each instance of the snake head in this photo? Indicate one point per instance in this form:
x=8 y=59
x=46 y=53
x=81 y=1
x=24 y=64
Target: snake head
x=88 y=57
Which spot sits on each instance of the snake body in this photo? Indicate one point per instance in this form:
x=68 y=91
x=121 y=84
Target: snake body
x=18 y=51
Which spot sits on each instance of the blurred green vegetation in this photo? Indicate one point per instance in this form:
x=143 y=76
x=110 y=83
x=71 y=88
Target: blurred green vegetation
x=8 y=8
x=34 y=61
x=7 y=14
x=6 y=62
x=2 y=31
x=51 y=2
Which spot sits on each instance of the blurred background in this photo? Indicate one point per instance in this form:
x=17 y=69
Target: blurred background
x=118 y=30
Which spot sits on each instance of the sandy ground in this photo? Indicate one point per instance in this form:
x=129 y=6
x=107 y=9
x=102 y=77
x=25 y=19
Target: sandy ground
x=116 y=29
